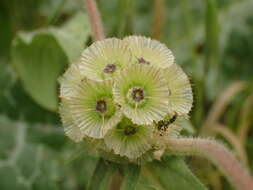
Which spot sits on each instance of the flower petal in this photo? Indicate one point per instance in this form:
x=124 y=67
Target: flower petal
x=69 y=81
x=104 y=58
x=125 y=142
x=181 y=98
x=85 y=110
x=149 y=105
x=71 y=130
x=149 y=52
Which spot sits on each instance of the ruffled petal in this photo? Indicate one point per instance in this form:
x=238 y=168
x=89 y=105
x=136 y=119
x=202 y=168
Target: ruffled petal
x=103 y=59
x=142 y=93
x=71 y=130
x=149 y=52
x=128 y=139
x=71 y=78
x=181 y=98
x=92 y=108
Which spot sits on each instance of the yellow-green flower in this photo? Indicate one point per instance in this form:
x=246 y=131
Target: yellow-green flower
x=149 y=52
x=92 y=108
x=71 y=78
x=181 y=98
x=142 y=93
x=69 y=81
x=104 y=58
x=128 y=139
x=125 y=98
x=71 y=130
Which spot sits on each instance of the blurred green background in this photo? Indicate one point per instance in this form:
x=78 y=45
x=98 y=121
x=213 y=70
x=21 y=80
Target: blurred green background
x=211 y=39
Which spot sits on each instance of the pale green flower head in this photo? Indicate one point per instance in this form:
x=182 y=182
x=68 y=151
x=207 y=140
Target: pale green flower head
x=92 y=108
x=70 y=129
x=71 y=78
x=181 y=98
x=69 y=81
x=128 y=139
x=104 y=58
x=124 y=98
x=142 y=93
x=149 y=52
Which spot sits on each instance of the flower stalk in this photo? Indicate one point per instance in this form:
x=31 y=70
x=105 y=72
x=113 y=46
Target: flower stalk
x=159 y=13
x=95 y=19
x=217 y=154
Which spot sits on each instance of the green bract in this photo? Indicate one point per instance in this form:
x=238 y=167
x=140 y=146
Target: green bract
x=124 y=97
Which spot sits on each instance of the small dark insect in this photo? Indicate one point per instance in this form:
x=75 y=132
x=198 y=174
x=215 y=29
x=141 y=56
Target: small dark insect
x=172 y=120
x=163 y=125
x=143 y=61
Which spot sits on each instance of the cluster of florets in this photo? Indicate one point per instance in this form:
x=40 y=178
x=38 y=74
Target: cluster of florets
x=125 y=97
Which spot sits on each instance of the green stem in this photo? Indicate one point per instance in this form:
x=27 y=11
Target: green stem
x=217 y=154
x=102 y=175
x=125 y=17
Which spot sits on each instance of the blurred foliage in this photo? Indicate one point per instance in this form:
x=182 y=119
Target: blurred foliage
x=39 y=57
x=39 y=38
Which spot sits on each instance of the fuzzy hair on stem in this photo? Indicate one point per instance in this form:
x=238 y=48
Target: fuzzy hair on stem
x=215 y=152
x=95 y=19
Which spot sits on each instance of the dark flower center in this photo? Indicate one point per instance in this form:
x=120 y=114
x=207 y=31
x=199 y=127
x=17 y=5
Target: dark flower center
x=143 y=61
x=129 y=130
x=110 y=68
x=137 y=94
x=101 y=106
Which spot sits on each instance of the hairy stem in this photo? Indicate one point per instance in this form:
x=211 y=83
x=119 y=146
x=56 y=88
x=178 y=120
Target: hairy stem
x=95 y=20
x=159 y=13
x=217 y=154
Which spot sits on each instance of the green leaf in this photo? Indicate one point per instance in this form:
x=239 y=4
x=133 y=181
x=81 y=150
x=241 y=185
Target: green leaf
x=101 y=176
x=131 y=177
x=72 y=36
x=39 y=61
x=28 y=164
x=22 y=164
x=40 y=57
x=16 y=104
x=9 y=179
x=173 y=174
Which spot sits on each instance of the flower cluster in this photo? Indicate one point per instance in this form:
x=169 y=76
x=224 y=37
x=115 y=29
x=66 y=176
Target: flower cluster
x=124 y=97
